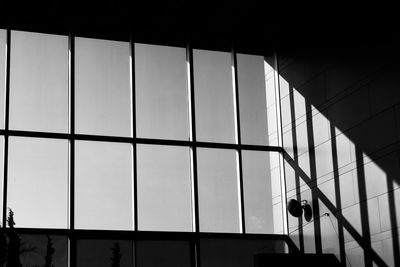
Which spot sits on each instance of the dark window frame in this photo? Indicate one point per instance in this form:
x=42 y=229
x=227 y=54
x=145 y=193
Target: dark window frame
x=134 y=234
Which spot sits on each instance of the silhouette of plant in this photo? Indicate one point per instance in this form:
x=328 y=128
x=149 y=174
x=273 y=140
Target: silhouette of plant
x=3 y=247
x=116 y=255
x=14 y=244
x=11 y=245
x=10 y=219
x=49 y=253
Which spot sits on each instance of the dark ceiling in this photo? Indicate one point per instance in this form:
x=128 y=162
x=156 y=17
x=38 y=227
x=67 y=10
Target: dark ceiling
x=279 y=23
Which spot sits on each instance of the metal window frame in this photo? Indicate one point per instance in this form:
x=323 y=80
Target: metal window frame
x=136 y=234
x=6 y=126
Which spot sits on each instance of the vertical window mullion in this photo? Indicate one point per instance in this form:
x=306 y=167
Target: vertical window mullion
x=72 y=239
x=134 y=149
x=280 y=144
x=191 y=101
x=6 y=125
x=195 y=193
x=72 y=129
x=238 y=140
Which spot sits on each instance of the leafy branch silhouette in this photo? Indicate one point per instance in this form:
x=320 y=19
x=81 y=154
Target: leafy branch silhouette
x=12 y=247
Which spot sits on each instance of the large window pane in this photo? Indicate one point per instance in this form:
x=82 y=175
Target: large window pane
x=39 y=82
x=3 y=44
x=218 y=190
x=38 y=182
x=1 y=177
x=162 y=253
x=271 y=101
x=161 y=92
x=215 y=118
x=104 y=253
x=103 y=186
x=236 y=252
x=102 y=87
x=252 y=101
x=34 y=250
x=257 y=192
x=164 y=188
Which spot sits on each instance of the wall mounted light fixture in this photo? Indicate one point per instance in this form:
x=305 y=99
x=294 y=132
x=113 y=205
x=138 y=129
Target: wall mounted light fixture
x=296 y=208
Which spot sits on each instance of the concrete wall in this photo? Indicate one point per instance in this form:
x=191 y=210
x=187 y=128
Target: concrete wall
x=341 y=131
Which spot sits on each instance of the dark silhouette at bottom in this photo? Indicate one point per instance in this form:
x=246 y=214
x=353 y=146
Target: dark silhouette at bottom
x=49 y=253
x=309 y=260
x=116 y=255
x=12 y=246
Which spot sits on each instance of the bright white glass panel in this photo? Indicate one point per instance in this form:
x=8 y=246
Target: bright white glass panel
x=103 y=185
x=215 y=117
x=161 y=92
x=218 y=190
x=38 y=182
x=164 y=188
x=3 y=45
x=252 y=99
x=271 y=101
x=102 y=87
x=39 y=82
x=257 y=192
x=1 y=178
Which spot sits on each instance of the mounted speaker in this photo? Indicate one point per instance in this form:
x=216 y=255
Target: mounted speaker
x=296 y=209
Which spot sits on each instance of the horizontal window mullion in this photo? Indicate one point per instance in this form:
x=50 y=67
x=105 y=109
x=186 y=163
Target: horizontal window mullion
x=149 y=141
x=141 y=235
x=35 y=134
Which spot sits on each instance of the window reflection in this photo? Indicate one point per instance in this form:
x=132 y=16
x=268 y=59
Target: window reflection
x=102 y=87
x=218 y=190
x=104 y=253
x=1 y=177
x=162 y=253
x=103 y=186
x=164 y=189
x=236 y=253
x=38 y=168
x=161 y=92
x=3 y=45
x=43 y=250
x=39 y=82
x=38 y=182
x=215 y=119
x=252 y=99
x=257 y=192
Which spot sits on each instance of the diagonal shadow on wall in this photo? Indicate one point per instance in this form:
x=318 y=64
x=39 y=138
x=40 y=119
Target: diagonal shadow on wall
x=356 y=109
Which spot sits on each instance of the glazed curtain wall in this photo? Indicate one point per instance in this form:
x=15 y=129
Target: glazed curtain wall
x=114 y=135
